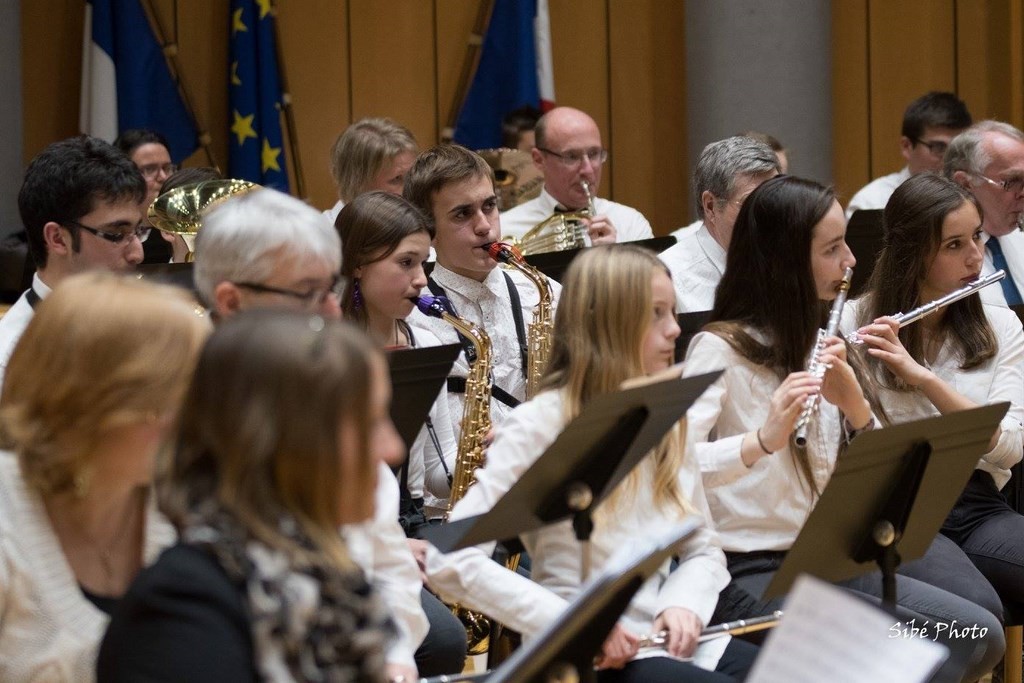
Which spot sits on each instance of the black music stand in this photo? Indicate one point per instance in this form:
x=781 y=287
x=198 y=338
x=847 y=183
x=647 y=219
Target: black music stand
x=689 y=325
x=889 y=495
x=417 y=376
x=554 y=263
x=587 y=460
x=177 y=274
x=864 y=235
x=575 y=638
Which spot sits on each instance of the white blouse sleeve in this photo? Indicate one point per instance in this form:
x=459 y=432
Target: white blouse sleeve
x=1008 y=385
x=469 y=576
x=701 y=574
x=436 y=478
x=720 y=459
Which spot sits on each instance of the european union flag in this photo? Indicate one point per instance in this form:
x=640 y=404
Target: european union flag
x=125 y=79
x=256 y=145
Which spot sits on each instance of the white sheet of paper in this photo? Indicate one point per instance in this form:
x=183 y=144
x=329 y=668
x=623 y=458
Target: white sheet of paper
x=828 y=632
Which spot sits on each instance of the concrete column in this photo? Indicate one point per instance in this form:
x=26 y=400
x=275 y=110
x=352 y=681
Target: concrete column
x=10 y=116
x=764 y=66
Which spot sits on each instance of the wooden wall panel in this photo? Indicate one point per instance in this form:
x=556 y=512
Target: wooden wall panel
x=987 y=47
x=648 y=122
x=314 y=42
x=51 y=71
x=905 y=64
x=851 y=155
x=581 y=62
x=393 y=71
x=454 y=20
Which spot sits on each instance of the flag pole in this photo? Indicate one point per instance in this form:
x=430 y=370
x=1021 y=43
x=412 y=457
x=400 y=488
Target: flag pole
x=289 y=113
x=474 y=47
x=170 y=52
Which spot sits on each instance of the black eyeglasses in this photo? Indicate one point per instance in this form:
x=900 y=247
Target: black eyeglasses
x=574 y=157
x=1012 y=185
x=936 y=147
x=140 y=231
x=150 y=171
x=314 y=297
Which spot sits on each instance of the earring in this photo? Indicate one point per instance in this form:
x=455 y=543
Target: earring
x=357 y=295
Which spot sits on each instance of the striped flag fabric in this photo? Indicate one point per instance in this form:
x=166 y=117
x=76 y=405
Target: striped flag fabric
x=126 y=82
x=256 y=143
x=514 y=71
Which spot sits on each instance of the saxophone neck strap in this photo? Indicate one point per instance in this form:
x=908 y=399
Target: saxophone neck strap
x=517 y=316
x=457 y=385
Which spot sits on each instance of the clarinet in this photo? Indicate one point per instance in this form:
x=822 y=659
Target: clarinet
x=932 y=306
x=815 y=366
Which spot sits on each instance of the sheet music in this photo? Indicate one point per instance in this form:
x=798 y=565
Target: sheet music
x=828 y=630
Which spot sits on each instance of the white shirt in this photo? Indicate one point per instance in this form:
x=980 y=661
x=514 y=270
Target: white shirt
x=875 y=195
x=14 y=322
x=697 y=263
x=999 y=379
x=486 y=304
x=471 y=577
x=379 y=547
x=630 y=224
x=428 y=476
x=1013 y=250
x=762 y=507
x=679 y=233
x=49 y=631
x=332 y=213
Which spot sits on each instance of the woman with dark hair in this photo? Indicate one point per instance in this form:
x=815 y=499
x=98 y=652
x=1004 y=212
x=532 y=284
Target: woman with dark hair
x=967 y=354
x=784 y=265
x=151 y=154
x=279 y=442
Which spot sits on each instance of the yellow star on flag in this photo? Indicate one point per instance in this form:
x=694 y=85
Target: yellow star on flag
x=237 y=25
x=270 y=155
x=264 y=7
x=242 y=127
x=235 y=80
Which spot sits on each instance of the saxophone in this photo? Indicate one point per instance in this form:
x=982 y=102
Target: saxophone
x=540 y=329
x=476 y=424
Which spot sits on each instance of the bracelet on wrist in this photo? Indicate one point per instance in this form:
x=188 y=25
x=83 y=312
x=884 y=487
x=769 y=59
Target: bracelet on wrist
x=761 y=443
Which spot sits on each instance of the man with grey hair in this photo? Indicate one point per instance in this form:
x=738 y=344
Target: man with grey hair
x=988 y=159
x=267 y=249
x=728 y=171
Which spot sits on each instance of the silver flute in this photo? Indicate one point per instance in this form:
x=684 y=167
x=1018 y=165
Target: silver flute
x=730 y=628
x=815 y=366
x=932 y=306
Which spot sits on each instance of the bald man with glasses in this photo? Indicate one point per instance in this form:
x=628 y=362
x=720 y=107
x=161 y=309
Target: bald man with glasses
x=569 y=152
x=81 y=203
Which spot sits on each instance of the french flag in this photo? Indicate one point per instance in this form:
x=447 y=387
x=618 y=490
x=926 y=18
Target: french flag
x=514 y=71
x=126 y=82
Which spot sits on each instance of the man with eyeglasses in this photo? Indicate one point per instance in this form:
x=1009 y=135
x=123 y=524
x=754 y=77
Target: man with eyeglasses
x=727 y=172
x=265 y=249
x=150 y=152
x=81 y=205
x=988 y=159
x=568 y=152
x=929 y=124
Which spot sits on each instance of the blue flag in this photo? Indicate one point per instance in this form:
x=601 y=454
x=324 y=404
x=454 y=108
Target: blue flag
x=514 y=71
x=125 y=79
x=255 y=145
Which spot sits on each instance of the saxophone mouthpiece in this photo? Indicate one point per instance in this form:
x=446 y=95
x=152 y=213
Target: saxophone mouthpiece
x=434 y=306
x=503 y=252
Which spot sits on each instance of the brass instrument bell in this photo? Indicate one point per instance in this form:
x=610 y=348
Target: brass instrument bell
x=180 y=211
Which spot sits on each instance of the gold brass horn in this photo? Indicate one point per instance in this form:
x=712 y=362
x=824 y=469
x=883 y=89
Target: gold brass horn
x=559 y=231
x=180 y=211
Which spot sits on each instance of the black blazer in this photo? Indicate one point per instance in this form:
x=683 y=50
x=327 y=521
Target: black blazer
x=182 y=619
